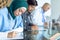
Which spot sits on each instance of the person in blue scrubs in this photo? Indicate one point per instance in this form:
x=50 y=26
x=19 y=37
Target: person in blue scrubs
x=10 y=17
x=39 y=19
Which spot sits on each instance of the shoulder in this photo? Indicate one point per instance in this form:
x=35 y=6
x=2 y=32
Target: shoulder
x=37 y=11
x=4 y=11
x=24 y=14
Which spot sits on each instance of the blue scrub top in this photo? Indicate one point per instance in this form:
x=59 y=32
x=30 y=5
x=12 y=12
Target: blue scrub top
x=7 y=23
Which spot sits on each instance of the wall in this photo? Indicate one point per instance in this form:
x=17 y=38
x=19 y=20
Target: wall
x=55 y=9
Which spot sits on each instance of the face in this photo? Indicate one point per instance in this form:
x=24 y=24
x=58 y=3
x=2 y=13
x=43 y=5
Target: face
x=19 y=11
x=31 y=8
x=46 y=7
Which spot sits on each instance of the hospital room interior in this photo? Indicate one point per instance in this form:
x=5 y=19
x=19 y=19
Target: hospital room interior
x=50 y=30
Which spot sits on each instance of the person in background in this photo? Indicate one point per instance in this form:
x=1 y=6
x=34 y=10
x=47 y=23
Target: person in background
x=9 y=2
x=40 y=20
x=3 y=3
x=10 y=18
x=27 y=22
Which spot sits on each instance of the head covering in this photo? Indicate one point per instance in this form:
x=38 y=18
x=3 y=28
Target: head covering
x=15 y=5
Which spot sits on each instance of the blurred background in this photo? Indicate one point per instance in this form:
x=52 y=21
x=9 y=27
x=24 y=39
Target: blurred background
x=52 y=15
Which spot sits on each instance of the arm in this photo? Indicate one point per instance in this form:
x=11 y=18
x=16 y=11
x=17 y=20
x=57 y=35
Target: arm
x=1 y=22
x=17 y=30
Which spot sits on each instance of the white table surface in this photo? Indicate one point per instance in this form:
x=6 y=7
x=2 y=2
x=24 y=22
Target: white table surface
x=3 y=35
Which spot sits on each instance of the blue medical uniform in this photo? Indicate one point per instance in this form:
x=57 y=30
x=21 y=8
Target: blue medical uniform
x=7 y=23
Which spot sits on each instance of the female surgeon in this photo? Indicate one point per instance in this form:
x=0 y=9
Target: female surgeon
x=10 y=18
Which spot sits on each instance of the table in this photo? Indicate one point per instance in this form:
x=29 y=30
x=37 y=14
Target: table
x=3 y=35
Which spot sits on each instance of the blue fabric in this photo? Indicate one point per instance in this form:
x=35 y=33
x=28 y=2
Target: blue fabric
x=7 y=23
x=43 y=20
x=42 y=11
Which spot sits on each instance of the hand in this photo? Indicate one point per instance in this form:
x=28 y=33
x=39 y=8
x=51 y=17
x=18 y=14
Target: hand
x=34 y=27
x=34 y=30
x=46 y=25
x=55 y=36
x=11 y=34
